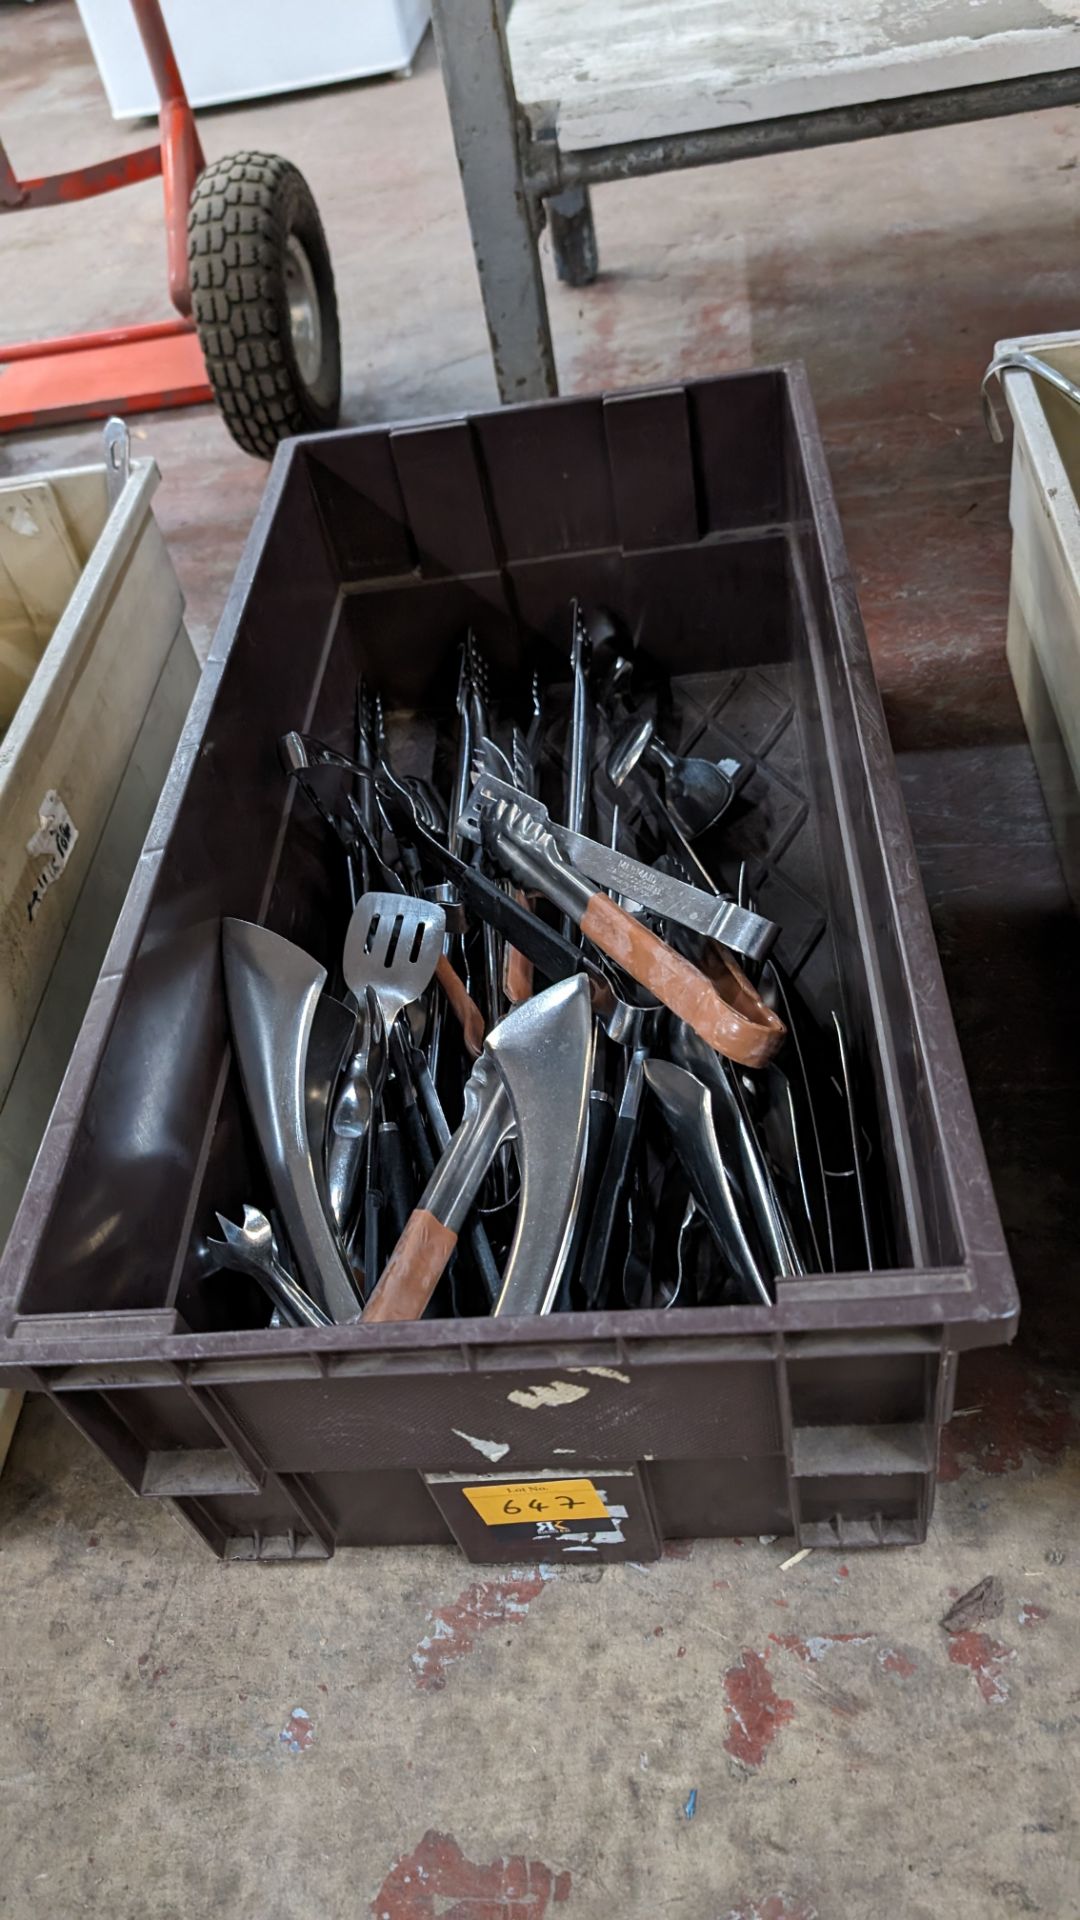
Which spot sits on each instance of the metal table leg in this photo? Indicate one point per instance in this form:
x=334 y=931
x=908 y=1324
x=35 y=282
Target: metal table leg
x=573 y=236
x=471 y=39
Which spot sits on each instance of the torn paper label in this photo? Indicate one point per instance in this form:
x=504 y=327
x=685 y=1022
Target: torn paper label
x=50 y=849
x=492 y=1450
x=556 y=1393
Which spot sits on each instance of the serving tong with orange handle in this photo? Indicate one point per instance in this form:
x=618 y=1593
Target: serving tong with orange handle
x=516 y=830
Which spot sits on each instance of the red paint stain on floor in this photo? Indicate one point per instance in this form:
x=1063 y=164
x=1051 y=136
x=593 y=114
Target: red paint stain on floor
x=775 y=1906
x=436 y=1880
x=1030 y=1615
x=678 y=1549
x=298 y=1734
x=1016 y=1414
x=891 y=1660
x=456 y=1628
x=817 y=1645
x=987 y=1660
x=755 y=1711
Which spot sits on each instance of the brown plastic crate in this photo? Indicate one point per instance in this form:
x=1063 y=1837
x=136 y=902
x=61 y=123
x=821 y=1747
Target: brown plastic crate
x=703 y=516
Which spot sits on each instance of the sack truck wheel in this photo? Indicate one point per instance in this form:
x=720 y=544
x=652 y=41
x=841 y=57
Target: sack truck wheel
x=263 y=299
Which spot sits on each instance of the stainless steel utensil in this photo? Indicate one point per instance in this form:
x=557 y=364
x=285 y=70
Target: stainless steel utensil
x=252 y=1249
x=272 y=988
x=332 y=1034
x=696 y=792
x=476 y=726
x=609 y=1207
x=732 y=1125
x=352 y=1109
x=532 y=1082
x=577 y=757
x=848 y=1090
x=392 y=946
x=745 y=932
x=740 y=1026
x=688 y=1111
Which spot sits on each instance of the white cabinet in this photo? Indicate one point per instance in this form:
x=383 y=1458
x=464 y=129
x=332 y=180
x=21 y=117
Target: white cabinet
x=246 y=48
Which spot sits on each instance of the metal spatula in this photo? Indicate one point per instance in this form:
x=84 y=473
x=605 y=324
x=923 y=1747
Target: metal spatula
x=392 y=946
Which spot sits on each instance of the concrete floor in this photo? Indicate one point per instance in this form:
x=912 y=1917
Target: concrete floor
x=394 y=1734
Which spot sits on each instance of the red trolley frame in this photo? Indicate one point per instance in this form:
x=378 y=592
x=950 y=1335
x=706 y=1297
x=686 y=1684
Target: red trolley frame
x=128 y=369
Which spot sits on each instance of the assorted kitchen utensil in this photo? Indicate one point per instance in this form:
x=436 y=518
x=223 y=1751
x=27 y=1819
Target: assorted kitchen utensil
x=554 y=1072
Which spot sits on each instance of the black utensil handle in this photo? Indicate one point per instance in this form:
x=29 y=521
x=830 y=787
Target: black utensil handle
x=372 y=1211
x=608 y=1208
x=416 y=1137
x=394 y=1170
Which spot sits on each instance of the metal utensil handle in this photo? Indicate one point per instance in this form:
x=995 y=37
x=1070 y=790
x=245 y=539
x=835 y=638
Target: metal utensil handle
x=430 y=1235
x=526 y=822
x=578 y=754
x=413 y=1270
x=291 y=1298
x=411 y=1062
x=747 y=933
x=748 y=1032
x=610 y=1201
x=297 y=1307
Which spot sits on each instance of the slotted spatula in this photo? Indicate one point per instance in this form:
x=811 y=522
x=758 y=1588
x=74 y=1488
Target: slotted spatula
x=392 y=946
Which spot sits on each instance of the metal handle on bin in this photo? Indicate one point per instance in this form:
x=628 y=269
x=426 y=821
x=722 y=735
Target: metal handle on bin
x=1015 y=358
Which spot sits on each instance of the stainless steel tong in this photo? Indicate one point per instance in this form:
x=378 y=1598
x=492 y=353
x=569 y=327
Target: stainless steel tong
x=740 y=1026
x=736 y=927
x=531 y=1084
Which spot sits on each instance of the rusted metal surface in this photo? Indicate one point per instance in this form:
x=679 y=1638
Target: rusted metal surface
x=82 y=183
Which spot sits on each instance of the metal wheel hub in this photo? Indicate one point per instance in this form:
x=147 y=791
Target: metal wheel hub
x=305 y=318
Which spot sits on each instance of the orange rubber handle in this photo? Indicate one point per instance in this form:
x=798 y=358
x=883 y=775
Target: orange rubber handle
x=413 y=1270
x=737 y=1023
x=463 y=1006
x=732 y=984
x=517 y=971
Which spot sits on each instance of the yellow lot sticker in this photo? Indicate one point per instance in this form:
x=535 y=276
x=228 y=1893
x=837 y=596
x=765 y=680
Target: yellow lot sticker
x=517 y=1503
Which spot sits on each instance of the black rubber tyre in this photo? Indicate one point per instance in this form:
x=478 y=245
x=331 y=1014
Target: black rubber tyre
x=254 y=240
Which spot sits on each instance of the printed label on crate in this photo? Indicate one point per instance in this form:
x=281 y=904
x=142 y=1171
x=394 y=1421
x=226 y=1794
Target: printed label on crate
x=49 y=848
x=552 y=1502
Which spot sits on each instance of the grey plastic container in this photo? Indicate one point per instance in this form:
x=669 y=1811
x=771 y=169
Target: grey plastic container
x=702 y=515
